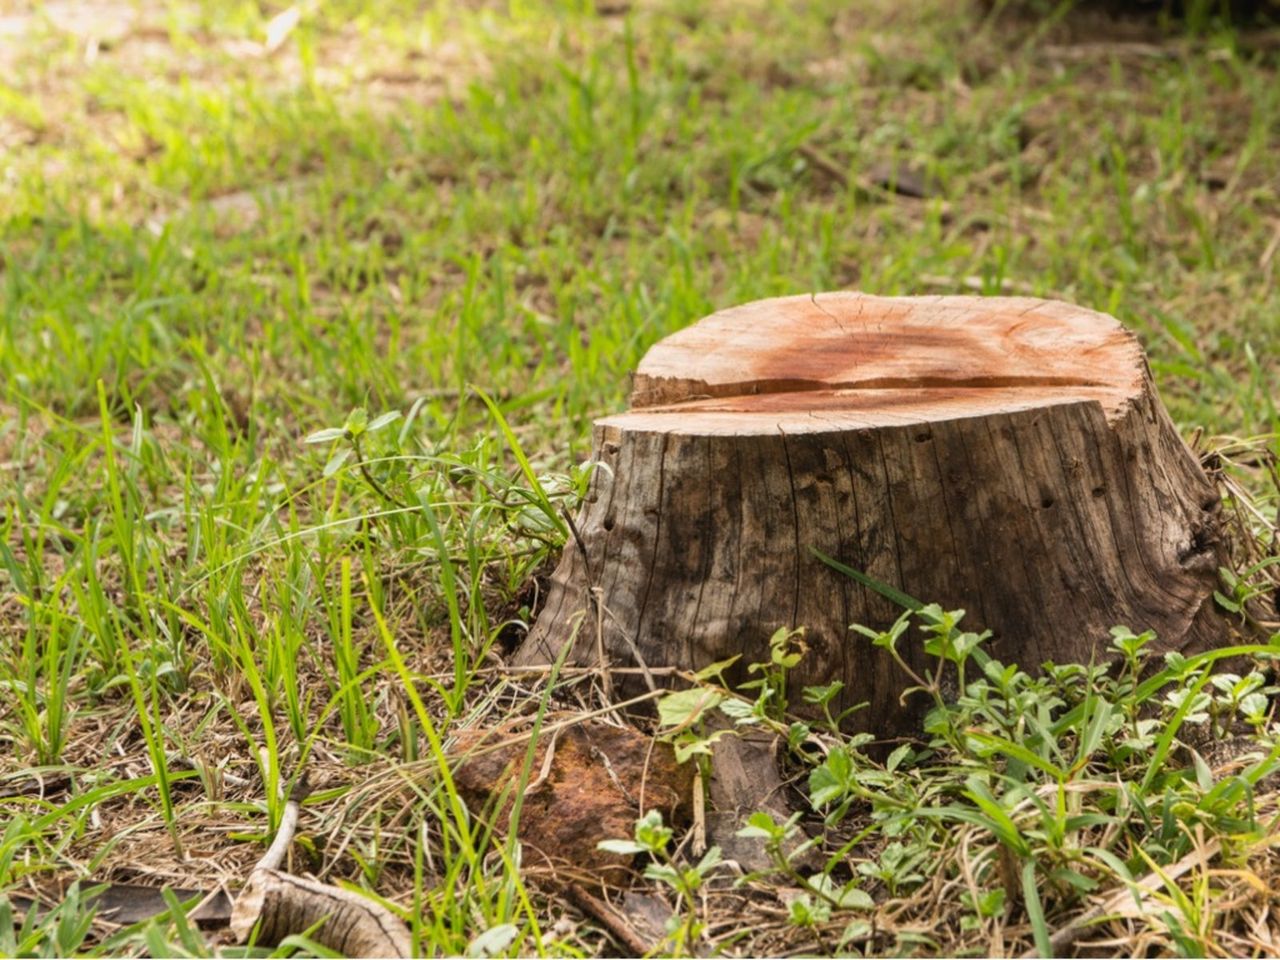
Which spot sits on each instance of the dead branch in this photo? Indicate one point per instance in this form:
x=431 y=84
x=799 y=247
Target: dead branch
x=609 y=918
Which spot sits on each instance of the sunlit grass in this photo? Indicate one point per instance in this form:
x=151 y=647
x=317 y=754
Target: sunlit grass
x=480 y=216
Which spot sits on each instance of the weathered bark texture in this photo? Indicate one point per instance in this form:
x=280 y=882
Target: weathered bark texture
x=1007 y=456
x=275 y=905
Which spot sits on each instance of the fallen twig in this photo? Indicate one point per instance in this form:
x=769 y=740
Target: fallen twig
x=275 y=854
x=603 y=913
x=864 y=185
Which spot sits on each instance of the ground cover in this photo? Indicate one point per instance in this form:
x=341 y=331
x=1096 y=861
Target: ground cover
x=223 y=228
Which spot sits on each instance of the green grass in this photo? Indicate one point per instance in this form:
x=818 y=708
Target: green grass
x=479 y=216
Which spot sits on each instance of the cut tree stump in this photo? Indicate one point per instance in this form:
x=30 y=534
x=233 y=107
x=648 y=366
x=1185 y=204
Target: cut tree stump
x=1006 y=456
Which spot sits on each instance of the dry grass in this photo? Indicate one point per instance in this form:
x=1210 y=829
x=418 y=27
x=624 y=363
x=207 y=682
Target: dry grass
x=241 y=239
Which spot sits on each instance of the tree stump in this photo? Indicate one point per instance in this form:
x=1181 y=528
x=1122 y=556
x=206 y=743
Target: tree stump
x=1006 y=456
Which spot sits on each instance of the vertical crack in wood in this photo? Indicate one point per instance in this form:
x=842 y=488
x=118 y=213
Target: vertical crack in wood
x=657 y=541
x=977 y=581
x=1080 y=500
x=813 y=298
x=709 y=532
x=615 y=539
x=893 y=519
x=740 y=526
x=860 y=562
x=841 y=639
x=798 y=563
x=1155 y=579
x=1099 y=471
x=1030 y=501
x=762 y=514
x=629 y=483
x=884 y=678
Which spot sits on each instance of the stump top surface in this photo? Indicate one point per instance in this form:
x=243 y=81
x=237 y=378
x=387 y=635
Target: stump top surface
x=849 y=360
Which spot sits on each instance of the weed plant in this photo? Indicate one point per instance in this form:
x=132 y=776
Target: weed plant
x=1027 y=796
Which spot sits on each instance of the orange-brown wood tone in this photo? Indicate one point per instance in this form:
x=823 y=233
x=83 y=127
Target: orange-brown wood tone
x=1005 y=456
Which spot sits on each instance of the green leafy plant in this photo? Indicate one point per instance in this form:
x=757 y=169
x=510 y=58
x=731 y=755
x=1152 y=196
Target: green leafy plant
x=652 y=838
x=349 y=439
x=60 y=931
x=786 y=649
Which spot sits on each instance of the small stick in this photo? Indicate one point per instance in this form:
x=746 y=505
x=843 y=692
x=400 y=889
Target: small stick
x=560 y=725
x=631 y=643
x=594 y=590
x=584 y=671
x=577 y=539
x=597 y=909
x=601 y=657
x=699 y=813
x=275 y=854
x=1128 y=900
x=827 y=165
x=545 y=771
x=863 y=185
x=1268 y=254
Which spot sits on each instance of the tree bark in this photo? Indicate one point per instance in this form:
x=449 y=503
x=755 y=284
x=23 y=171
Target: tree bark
x=1006 y=456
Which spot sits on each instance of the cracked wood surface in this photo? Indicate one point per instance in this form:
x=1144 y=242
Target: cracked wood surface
x=1006 y=456
x=810 y=353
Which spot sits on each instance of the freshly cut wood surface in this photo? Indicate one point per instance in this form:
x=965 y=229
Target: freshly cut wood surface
x=1005 y=456
x=842 y=344
x=824 y=410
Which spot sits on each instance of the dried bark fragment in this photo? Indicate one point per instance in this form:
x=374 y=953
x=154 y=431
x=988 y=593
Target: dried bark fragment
x=282 y=905
x=275 y=905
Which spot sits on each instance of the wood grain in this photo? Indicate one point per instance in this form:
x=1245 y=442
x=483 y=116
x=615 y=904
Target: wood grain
x=1007 y=456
